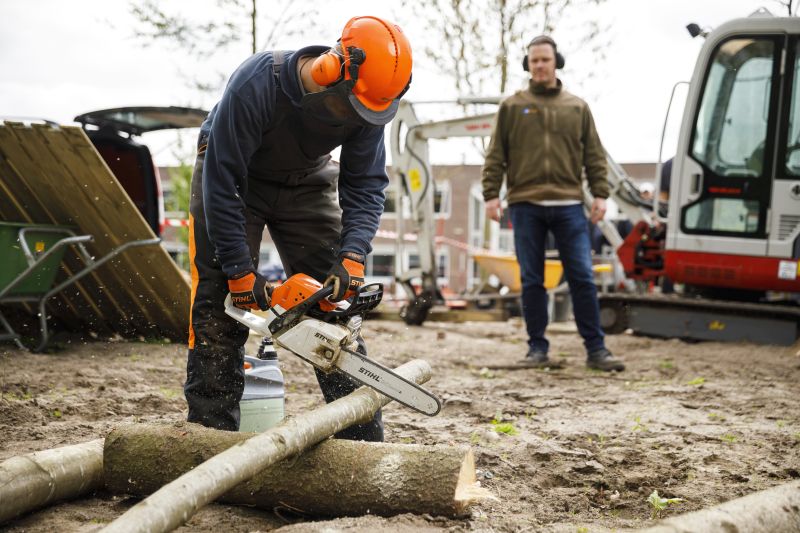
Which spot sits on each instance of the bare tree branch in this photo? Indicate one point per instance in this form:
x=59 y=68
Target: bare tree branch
x=477 y=40
x=233 y=20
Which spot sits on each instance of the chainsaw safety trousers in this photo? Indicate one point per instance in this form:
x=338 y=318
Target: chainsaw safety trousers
x=304 y=222
x=263 y=162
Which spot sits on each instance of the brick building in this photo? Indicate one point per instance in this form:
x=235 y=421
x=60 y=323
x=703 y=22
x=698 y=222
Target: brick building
x=459 y=228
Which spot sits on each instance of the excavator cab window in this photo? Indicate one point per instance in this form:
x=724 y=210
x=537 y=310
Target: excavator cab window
x=792 y=148
x=733 y=139
x=731 y=127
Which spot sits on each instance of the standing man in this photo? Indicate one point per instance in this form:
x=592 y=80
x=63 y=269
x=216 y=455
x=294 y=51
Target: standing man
x=543 y=139
x=264 y=160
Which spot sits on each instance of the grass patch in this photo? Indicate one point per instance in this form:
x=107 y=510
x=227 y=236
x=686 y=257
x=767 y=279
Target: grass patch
x=696 y=382
x=638 y=425
x=16 y=397
x=504 y=427
x=730 y=439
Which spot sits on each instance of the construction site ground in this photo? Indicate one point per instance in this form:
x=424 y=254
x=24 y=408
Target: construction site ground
x=563 y=450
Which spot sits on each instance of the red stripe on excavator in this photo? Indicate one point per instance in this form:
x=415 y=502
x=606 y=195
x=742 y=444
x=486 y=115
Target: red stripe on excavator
x=728 y=270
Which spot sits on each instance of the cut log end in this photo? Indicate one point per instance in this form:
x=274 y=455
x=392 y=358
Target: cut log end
x=468 y=488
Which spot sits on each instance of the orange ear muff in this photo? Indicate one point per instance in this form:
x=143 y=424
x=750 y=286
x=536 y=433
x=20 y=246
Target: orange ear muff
x=326 y=69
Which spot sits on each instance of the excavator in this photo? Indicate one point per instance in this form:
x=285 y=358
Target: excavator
x=729 y=235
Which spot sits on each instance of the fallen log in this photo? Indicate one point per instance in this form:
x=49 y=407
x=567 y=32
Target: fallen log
x=335 y=478
x=176 y=502
x=774 y=510
x=28 y=482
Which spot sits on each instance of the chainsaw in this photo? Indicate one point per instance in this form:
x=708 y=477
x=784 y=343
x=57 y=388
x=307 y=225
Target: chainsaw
x=302 y=320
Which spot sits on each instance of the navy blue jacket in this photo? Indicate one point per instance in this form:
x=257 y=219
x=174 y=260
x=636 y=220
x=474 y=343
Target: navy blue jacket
x=234 y=131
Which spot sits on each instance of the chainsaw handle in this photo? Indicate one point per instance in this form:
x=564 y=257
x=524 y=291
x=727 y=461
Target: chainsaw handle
x=315 y=298
x=300 y=309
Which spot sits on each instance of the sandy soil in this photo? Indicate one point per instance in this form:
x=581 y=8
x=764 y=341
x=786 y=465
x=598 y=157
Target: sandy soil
x=704 y=422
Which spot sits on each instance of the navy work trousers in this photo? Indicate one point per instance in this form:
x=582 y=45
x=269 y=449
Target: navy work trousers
x=568 y=225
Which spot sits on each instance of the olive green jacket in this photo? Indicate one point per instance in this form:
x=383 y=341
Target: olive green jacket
x=542 y=141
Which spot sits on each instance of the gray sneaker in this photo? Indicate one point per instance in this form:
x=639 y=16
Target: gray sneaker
x=536 y=359
x=604 y=360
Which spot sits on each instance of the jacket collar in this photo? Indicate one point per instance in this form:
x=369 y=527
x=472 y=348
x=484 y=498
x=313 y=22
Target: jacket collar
x=290 y=81
x=545 y=91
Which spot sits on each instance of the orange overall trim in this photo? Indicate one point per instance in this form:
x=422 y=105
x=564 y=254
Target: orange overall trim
x=195 y=278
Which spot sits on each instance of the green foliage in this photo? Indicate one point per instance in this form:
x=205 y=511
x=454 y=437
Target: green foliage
x=730 y=439
x=16 y=397
x=666 y=365
x=180 y=179
x=716 y=416
x=659 y=504
x=56 y=413
x=500 y=426
x=696 y=382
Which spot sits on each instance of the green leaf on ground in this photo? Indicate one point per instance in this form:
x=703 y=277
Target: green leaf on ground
x=659 y=504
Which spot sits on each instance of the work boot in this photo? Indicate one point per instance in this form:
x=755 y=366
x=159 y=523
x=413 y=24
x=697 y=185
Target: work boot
x=536 y=359
x=604 y=360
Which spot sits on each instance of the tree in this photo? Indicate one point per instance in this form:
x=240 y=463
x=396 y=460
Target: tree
x=790 y=5
x=224 y=27
x=475 y=42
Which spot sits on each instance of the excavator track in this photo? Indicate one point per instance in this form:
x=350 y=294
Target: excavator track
x=700 y=319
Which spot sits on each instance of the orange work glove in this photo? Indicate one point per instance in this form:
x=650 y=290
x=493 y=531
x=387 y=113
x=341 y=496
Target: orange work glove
x=346 y=276
x=250 y=290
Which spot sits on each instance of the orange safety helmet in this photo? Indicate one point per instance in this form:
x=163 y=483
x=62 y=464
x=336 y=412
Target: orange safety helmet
x=376 y=55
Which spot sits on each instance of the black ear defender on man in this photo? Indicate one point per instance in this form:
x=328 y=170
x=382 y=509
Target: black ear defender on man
x=543 y=39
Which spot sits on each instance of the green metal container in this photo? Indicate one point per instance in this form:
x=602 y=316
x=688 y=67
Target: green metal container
x=13 y=261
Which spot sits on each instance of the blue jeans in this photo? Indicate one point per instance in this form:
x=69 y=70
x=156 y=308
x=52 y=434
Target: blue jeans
x=568 y=226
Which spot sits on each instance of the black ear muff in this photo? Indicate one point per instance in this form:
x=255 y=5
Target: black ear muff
x=543 y=39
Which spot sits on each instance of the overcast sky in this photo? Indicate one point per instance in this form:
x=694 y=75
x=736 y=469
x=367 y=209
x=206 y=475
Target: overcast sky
x=60 y=58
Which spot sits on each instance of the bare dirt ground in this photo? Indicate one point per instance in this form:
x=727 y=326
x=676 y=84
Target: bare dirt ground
x=704 y=422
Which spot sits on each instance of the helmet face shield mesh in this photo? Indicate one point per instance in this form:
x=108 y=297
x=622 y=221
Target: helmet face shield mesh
x=337 y=105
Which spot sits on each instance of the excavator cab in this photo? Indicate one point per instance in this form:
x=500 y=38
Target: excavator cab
x=733 y=219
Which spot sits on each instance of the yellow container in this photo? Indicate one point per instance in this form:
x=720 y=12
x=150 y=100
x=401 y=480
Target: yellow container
x=506 y=268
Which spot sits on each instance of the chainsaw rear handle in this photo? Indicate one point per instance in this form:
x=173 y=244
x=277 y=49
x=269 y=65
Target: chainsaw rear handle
x=365 y=299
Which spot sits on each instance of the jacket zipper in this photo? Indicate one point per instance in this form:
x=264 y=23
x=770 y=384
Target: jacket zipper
x=546 y=143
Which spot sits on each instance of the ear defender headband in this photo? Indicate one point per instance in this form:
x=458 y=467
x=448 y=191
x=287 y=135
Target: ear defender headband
x=543 y=39
x=328 y=69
